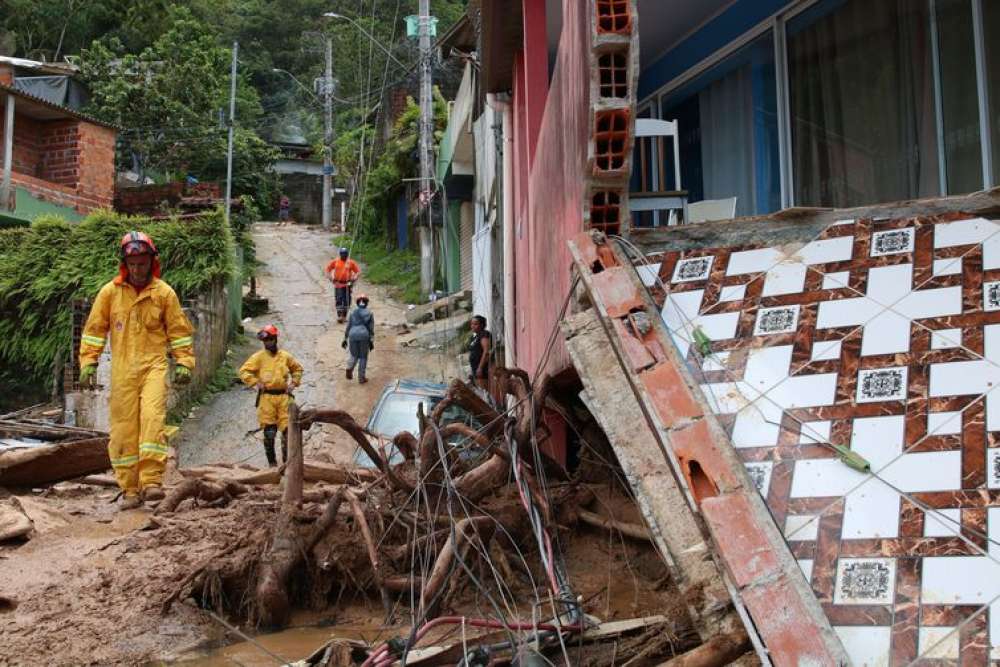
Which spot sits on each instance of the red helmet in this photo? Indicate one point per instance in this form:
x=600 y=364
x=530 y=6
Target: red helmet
x=137 y=243
x=270 y=331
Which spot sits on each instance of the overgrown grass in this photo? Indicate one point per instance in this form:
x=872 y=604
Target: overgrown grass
x=399 y=269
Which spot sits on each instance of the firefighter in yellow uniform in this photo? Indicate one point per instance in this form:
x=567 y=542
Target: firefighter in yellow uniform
x=274 y=374
x=144 y=320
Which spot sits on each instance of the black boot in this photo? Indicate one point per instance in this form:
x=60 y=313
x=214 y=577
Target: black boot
x=269 y=433
x=284 y=446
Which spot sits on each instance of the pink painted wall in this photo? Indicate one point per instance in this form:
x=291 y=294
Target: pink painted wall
x=550 y=177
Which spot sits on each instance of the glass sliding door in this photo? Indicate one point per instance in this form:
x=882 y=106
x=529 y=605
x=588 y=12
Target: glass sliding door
x=862 y=105
x=728 y=127
x=963 y=157
x=991 y=34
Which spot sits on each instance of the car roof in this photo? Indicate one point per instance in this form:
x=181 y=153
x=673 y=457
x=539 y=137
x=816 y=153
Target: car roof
x=414 y=386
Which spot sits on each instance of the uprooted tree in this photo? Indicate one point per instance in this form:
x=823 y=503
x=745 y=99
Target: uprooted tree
x=463 y=503
x=421 y=521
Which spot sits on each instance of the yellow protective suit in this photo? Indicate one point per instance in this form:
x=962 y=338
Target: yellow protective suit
x=273 y=371
x=143 y=326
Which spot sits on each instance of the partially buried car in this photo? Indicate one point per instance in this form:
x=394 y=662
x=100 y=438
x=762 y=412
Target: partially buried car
x=395 y=411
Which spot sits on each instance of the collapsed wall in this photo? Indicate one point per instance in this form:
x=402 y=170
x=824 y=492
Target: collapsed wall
x=844 y=364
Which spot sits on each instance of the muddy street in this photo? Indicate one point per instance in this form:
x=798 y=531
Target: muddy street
x=301 y=305
x=94 y=585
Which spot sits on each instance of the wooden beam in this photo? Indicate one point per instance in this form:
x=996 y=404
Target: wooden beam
x=8 y=153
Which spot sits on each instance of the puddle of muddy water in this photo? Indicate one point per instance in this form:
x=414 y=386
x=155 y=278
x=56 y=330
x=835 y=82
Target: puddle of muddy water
x=292 y=645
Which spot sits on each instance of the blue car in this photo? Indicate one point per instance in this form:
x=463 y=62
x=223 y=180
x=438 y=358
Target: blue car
x=395 y=411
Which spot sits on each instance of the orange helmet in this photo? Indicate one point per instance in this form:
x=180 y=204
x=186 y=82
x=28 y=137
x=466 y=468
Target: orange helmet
x=270 y=331
x=137 y=243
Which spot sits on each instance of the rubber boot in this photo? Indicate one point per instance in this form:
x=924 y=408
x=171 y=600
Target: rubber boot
x=284 y=446
x=269 y=432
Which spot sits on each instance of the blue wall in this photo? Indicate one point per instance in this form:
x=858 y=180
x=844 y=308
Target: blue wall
x=723 y=29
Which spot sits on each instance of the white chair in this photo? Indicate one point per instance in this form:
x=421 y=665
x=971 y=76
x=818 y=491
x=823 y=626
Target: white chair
x=711 y=209
x=651 y=132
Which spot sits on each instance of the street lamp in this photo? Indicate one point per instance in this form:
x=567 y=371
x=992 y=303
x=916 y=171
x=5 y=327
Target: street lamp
x=335 y=15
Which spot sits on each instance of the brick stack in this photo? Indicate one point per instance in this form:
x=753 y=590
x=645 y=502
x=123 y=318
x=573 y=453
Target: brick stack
x=614 y=69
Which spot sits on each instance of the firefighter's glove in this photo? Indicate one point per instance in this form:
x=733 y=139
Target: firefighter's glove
x=88 y=376
x=182 y=375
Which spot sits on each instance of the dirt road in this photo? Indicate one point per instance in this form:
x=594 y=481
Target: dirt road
x=301 y=306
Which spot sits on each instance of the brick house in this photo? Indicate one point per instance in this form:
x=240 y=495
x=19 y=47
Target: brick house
x=54 y=159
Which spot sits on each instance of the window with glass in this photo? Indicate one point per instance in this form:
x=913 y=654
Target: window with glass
x=728 y=126
x=861 y=98
x=960 y=141
x=991 y=34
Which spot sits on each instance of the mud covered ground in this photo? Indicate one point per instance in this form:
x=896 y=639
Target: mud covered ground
x=87 y=588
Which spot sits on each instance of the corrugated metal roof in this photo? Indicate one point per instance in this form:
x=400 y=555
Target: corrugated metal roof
x=51 y=68
x=68 y=113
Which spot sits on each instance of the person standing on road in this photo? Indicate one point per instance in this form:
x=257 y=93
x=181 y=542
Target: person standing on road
x=359 y=338
x=144 y=318
x=274 y=374
x=343 y=272
x=479 y=351
x=284 y=206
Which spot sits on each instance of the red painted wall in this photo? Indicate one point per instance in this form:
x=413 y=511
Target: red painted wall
x=549 y=206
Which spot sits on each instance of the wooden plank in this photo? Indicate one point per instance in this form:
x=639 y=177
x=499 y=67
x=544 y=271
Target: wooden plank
x=57 y=462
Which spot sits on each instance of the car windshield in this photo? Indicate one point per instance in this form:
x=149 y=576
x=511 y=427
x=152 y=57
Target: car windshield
x=399 y=413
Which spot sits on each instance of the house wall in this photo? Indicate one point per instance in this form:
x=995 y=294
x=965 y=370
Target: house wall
x=305 y=192
x=67 y=162
x=467 y=225
x=548 y=177
x=96 y=168
x=59 y=154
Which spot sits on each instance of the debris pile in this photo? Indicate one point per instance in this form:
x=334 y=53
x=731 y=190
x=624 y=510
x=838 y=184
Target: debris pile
x=468 y=531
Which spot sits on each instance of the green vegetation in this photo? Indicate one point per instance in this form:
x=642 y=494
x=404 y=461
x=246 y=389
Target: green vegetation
x=168 y=98
x=45 y=267
x=399 y=269
x=390 y=165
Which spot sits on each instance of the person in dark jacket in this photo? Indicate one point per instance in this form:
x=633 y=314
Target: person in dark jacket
x=480 y=346
x=359 y=338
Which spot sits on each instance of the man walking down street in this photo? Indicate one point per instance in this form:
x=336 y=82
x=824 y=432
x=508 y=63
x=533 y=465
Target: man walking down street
x=343 y=272
x=359 y=338
x=144 y=319
x=274 y=374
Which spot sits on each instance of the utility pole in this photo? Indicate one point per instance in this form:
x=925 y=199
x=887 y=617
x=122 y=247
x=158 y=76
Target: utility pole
x=328 y=136
x=232 y=127
x=426 y=132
